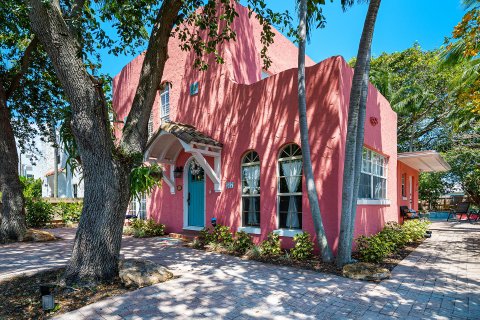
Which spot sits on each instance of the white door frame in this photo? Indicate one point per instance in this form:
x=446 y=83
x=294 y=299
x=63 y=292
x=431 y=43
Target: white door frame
x=185 y=196
x=410 y=191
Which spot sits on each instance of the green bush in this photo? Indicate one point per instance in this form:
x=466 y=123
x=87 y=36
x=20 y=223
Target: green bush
x=373 y=248
x=32 y=188
x=242 y=243
x=146 y=228
x=271 y=246
x=70 y=212
x=303 y=249
x=393 y=235
x=219 y=235
x=414 y=230
x=38 y=213
x=392 y=238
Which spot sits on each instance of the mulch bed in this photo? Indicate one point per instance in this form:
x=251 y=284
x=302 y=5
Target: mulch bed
x=20 y=296
x=317 y=265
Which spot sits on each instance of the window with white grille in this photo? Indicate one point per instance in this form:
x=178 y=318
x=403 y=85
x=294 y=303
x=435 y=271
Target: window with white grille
x=290 y=172
x=165 y=104
x=150 y=125
x=373 y=180
x=251 y=189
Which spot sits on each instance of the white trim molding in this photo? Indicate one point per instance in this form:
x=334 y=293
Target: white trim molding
x=193 y=228
x=185 y=197
x=374 y=202
x=251 y=230
x=290 y=233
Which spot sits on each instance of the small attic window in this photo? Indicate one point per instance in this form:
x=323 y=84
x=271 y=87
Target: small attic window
x=265 y=74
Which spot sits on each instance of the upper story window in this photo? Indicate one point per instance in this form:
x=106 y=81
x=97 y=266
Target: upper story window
x=251 y=189
x=165 y=104
x=290 y=187
x=150 y=125
x=373 y=180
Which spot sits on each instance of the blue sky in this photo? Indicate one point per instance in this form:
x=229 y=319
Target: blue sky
x=400 y=24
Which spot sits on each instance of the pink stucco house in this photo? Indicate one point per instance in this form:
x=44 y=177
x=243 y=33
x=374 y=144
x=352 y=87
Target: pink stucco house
x=229 y=142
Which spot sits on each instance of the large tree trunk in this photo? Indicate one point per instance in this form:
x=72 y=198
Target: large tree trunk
x=326 y=252
x=106 y=169
x=355 y=137
x=12 y=213
x=96 y=249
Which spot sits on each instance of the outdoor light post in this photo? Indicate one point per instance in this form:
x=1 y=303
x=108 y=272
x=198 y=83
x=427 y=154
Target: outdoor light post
x=48 y=302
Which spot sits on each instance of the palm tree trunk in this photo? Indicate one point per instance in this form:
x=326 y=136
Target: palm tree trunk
x=326 y=252
x=12 y=213
x=355 y=137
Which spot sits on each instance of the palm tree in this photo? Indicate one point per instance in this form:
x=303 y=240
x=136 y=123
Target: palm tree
x=355 y=136
x=326 y=252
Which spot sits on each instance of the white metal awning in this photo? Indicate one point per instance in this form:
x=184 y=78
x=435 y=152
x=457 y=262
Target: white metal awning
x=171 y=138
x=424 y=161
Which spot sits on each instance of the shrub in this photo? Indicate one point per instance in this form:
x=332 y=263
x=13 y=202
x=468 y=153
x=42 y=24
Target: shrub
x=70 y=212
x=38 y=213
x=271 y=246
x=204 y=237
x=393 y=237
x=222 y=235
x=32 y=188
x=373 y=248
x=147 y=228
x=414 y=230
x=254 y=252
x=303 y=249
x=242 y=243
x=219 y=235
x=393 y=234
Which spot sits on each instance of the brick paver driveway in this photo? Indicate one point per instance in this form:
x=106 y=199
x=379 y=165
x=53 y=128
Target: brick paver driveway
x=440 y=280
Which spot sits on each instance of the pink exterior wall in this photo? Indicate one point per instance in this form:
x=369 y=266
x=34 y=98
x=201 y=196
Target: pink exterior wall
x=243 y=113
x=409 y=172
x=381 y=138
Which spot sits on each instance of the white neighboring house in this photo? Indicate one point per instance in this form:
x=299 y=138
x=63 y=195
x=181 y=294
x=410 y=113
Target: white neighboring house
x=40 y=165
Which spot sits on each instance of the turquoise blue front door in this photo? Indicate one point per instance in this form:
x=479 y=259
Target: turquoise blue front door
x=196 y=196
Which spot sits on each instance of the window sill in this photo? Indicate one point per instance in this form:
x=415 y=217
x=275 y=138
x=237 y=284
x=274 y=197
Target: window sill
x=404 y=198
x=193 y=228
x=372 y=202
x=251 y=230
x=290 y=233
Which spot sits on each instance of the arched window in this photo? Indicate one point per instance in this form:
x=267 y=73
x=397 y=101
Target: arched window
x=251 y=189
x=290 y=187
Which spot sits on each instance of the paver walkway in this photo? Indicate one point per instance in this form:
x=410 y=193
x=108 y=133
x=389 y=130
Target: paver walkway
x=440 y=280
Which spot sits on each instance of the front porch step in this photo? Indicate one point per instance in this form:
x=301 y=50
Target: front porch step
x=185 y=236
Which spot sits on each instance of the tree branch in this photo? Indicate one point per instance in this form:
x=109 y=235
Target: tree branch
x=135 y=132
x=24 y=62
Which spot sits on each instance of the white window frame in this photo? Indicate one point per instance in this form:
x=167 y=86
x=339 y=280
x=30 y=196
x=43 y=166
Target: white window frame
x=373 y=200
x=279 y=160
x=246 y=228
x=150 y=125
x=165 y=108
x=404 y=186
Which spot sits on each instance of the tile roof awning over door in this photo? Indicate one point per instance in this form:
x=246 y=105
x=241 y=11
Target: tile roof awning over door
x=424 y=161
x=171 y=138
